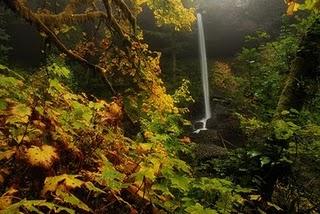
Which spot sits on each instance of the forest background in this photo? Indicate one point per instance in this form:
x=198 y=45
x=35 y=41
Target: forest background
x=90 y=124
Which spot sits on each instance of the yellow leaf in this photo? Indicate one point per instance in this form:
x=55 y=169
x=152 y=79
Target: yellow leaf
x=292 y=7
x=20 y=114
x=144 y=148
x=3 y=173
x=6 y=198
x=148 y=134
x=185 y=140
x=140 y=2
x=5 y=201
x=39 y=124
x=115 y=109
x=43 y=156
x=51 y=184
x=7 y=154
x=255 y=197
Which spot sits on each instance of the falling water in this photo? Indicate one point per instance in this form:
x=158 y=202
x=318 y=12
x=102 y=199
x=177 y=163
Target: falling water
x=204 y=74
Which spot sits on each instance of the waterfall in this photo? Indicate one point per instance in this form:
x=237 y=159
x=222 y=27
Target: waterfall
x=204 y=75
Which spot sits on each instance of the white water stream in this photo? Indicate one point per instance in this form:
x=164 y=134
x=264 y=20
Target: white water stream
x=204 y=75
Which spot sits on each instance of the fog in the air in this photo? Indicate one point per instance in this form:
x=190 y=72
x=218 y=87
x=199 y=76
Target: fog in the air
x=226 y=23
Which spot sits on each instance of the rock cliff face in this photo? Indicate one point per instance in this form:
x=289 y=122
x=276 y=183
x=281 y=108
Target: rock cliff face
x=227 y=22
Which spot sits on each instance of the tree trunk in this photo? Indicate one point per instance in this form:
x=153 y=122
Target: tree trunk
x=302 y=79
x=174 y=54
x=174 y=64
x=300 y=86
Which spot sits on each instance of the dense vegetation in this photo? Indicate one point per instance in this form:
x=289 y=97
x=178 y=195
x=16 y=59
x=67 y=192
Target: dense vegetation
x=93 y=129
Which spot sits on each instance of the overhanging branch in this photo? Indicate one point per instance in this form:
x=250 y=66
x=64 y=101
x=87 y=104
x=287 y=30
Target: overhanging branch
x=18 y=7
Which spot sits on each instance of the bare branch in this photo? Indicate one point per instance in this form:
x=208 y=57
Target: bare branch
x=126 y=10
x=113 y=22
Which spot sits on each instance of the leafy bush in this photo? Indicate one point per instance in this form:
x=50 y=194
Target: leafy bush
x=224 y=80
x=71 y=152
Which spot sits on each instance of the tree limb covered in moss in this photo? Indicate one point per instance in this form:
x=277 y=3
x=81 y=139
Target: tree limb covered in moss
x=65 y=18
x=18 y=7
x=45 y=21
x=125 y=9
x=72 y=5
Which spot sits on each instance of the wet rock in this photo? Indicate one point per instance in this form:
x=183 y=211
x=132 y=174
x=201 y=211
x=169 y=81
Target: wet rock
x=212 y=123
x=223 y=131
x=207 y=144
x=206 y=137
x=198 y=125
x=208 y=151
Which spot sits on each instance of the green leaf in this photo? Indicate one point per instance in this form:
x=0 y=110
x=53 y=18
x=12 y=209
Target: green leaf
x=111 y=176
x=253 y=154
x=286 y=160
x=274 y=206
x=55 y=86
x=162 y=187
x=265 y=160
x=81 y=115
x=181 y=182
x=3 y=105
x=214 y=184
x=9 y=82
x=91 y=187
x=149 y=169
x=282 y=130
x=3 y=67
x=309 y=5
x=146 y=171
x=58 y=70
x=199 y=209
x=31 y=205
x=294 y=111
x=180 y=165
x=73 y=200
x=286 y=112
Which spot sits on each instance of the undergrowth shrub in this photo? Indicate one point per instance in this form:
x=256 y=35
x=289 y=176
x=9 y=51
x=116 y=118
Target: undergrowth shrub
x=67 y=152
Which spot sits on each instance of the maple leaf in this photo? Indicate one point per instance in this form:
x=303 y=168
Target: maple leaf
x=51 y=184
x=73 y=200
x=62 y=183
x=20 y=114
x=185 y=140
x=7 y=154
x=65 y=182
x=114 y=112
x=43 y=156
x=6 y=198
x=3 y=173
x=292 y=7
x=30 y=206
x=115 y=108
x=111 y=176
x=199 y=209
x=180 y=182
